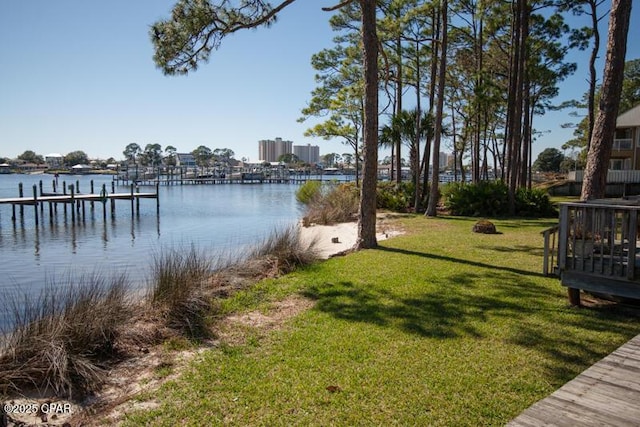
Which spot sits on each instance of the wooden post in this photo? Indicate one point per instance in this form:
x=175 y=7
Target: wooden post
x=73 y=203
x=53 y=185
x=138 y=200
x=631 y=253
x=563 y=237
x=35 y=205
x=574 y=296
x=545 y=259
x=21 y=194
x=104 y=202
x=40 y=185
x=158 y=199
x=132 y=202
x=91 y=184
x=64 y=188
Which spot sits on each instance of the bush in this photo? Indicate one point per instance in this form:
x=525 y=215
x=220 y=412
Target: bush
x=534 y=202
x=395 y=197
x=333 y=204
x=309 y=191
x=486 y=198
x=491 y=199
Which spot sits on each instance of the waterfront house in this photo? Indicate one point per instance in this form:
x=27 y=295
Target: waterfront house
x=5 y=168
x=31 y=167
x=54 y=160
x=626 y=144
x=185 y=160
x=81 y=169
x=624 y=165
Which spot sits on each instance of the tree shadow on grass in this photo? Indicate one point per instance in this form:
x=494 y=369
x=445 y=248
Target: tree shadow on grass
x=528 y=249
x=460 y=261
x=504 y=303
x=449 y=307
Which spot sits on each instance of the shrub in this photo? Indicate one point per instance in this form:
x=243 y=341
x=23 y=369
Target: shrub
x=534 y=202
x=486 y=198
x=332 y=205
x=395 y=197
x=491 y=198
x=309 y=191
x=62 y=339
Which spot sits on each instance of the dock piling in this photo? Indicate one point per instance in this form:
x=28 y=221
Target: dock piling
x=21 y=193
x=137 y=201
x=35 y=203
x=73 y=203
x=91 y=191
x=104 y=201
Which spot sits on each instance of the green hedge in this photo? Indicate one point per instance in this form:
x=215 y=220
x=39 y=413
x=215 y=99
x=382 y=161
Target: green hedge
x=491 y=199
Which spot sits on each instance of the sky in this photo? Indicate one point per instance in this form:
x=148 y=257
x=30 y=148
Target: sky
x=79 y=75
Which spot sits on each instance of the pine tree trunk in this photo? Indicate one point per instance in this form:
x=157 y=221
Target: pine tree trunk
x=591 y=103
x=595 y=176
x=398 y=110
x=442 y=73
x=367 y=212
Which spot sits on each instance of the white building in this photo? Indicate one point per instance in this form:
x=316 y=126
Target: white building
x=270 y=150
x=54 y=160
x=307 y=153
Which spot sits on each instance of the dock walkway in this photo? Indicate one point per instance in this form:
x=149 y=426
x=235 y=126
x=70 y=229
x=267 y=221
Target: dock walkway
x=606 y=394
x=77 y=201
x=68 y=198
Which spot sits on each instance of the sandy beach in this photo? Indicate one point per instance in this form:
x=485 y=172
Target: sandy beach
x=346 y=234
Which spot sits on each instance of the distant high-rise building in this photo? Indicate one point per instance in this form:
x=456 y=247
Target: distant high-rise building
x=442 y=160
x=270 y=150
x=307 y=153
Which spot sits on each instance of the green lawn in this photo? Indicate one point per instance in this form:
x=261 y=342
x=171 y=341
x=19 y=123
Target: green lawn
x=440 y=326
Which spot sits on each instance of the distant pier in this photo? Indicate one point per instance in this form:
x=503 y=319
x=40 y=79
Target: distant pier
x=180 y=176
x=72 y=199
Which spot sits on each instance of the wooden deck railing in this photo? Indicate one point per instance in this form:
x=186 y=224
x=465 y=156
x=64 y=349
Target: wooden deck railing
x=550 y=236
x=597 y=244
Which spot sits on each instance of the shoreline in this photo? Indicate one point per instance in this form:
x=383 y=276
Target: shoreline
x=332 y=240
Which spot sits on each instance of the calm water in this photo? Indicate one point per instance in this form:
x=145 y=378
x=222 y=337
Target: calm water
x=218 y=219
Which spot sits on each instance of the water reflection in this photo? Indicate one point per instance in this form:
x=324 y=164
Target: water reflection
x=75 y=232
x=219 y=219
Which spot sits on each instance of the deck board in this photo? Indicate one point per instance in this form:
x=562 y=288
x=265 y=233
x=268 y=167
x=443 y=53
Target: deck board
x=606 y=394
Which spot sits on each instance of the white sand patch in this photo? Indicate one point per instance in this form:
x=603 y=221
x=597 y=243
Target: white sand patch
x=333 y=239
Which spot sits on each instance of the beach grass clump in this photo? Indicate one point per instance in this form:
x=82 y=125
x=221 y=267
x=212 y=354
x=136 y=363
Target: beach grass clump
x=333 y=205
x=63 y=338
x=283 y=251
x=179 y=291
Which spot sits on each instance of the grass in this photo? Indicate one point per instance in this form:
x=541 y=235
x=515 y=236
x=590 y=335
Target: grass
x=178 y=294
x=440 y=326
x=64 y=341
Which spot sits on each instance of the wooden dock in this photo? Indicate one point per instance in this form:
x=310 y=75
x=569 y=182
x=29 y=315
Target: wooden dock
x=77 y=201
x=606 y=394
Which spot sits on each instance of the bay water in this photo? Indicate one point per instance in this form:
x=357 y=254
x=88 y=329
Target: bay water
x=221 y=220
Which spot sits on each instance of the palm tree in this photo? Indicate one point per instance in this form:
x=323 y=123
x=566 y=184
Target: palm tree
x=403 y=127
